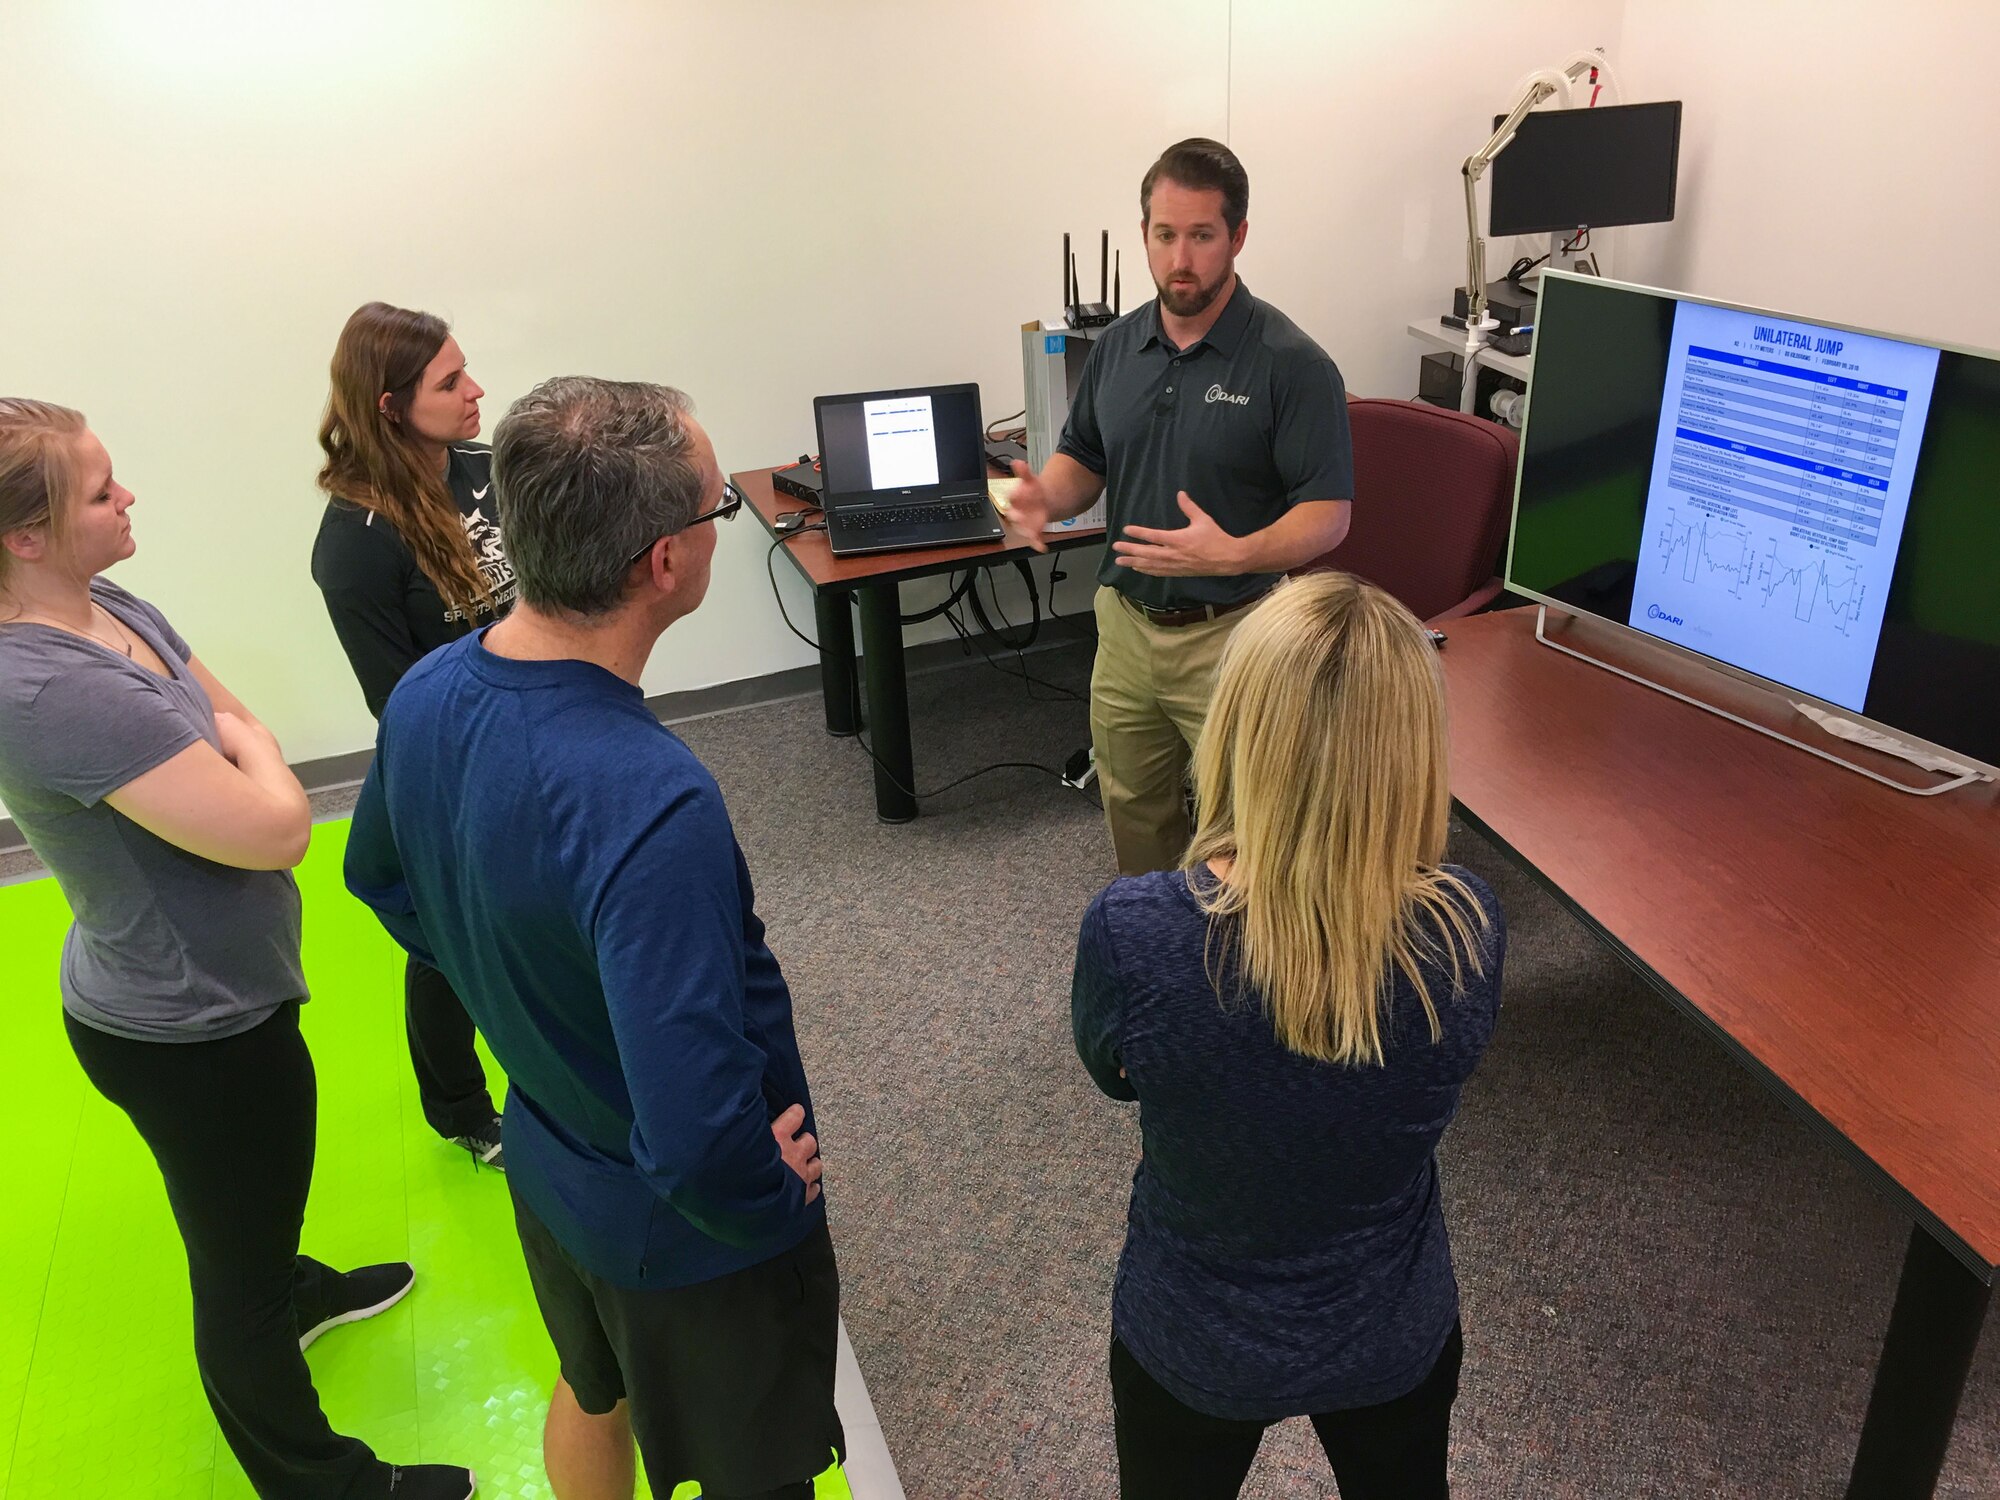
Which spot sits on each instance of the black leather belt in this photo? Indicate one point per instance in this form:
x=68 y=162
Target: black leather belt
x=1194 y=614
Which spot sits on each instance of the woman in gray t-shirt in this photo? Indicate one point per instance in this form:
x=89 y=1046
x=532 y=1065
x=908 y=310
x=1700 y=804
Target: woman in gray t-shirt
x=168 y=816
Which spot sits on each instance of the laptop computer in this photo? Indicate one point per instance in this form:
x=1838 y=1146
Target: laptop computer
x=904 y=469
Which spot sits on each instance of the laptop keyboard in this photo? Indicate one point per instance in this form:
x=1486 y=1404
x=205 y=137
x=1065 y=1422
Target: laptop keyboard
x=868 y=520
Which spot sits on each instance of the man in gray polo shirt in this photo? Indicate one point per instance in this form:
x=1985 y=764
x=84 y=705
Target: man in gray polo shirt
x=1217 y=432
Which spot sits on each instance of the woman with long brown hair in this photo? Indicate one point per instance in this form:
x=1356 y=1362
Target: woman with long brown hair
x=1295 y=1009
x=409 y=558
x=170 y=820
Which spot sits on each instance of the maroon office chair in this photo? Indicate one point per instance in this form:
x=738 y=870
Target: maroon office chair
x=1433 y=490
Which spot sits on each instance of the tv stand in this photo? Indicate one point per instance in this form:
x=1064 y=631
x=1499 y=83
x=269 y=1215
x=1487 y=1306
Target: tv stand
x=1542 y=635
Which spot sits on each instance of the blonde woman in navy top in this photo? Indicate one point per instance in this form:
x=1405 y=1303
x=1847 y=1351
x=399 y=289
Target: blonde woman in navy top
x=1295 y=1011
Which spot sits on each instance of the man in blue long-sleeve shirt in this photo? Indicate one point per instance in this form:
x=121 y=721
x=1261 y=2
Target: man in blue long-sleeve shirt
x=530 y=829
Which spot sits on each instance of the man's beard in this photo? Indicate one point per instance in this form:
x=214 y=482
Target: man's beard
x=1191 y=302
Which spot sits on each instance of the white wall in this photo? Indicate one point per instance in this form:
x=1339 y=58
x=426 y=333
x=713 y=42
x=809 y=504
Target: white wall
x=1353 y=120
x=765 y=200
x=757 y=201
x=1839 y=158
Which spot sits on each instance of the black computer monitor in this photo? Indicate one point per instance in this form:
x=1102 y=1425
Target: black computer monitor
x=1567 y=168
x=1806 y=503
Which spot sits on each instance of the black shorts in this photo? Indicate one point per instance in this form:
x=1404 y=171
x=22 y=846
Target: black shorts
x=730 y=1381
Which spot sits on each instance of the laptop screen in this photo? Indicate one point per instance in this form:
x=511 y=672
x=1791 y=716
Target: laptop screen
x=902 y=442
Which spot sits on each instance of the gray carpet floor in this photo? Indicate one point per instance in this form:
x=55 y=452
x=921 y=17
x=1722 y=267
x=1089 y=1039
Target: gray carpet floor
x=1671 y=1287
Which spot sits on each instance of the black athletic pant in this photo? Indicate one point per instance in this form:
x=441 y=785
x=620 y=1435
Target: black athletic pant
x=230 y=1123
x=1393 y=1451
x=450 y=1080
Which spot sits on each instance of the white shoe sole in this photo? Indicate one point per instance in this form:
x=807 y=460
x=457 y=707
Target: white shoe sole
x=484 y=1155
x=356 y=1315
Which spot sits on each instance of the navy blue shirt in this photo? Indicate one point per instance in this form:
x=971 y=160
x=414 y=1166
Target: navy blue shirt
x=529 y=828
x=1285 y=1250
x=1250 y=420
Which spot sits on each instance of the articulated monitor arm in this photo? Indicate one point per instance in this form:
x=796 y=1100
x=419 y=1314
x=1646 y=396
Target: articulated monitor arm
x=1544 y=86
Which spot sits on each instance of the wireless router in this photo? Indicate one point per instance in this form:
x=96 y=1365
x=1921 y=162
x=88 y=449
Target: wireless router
x=1079 y=314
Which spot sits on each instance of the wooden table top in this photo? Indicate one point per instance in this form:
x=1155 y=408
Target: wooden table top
x=1843 y=938
x=815 y=559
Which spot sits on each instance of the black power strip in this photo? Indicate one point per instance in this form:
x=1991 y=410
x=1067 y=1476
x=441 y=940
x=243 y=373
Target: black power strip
x=800 y=480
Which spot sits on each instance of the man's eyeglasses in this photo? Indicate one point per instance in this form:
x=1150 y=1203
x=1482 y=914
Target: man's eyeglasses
x=732 y=502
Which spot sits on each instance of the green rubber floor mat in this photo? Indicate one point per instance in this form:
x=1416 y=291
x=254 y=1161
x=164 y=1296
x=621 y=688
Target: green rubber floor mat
x=98 y=1391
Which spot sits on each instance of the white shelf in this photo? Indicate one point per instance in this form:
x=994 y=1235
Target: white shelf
x=1452 y=341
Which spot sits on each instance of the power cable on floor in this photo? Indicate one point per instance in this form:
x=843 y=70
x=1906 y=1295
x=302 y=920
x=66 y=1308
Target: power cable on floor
x=968 y=588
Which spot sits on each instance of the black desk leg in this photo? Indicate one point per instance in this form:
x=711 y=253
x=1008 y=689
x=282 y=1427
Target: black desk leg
x=1933 y=1332
x=837 y=683
x=888 y=701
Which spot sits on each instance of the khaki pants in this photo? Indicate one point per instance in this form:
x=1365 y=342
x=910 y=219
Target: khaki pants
x=1149 y=692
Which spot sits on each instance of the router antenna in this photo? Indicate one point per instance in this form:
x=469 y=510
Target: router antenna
x=1075 y=281
x=1104 y=266
x=1069 y=261
x=1116 y=267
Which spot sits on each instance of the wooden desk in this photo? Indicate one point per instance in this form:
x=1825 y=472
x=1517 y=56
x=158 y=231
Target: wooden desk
x=873 y=583
x=1839 y=939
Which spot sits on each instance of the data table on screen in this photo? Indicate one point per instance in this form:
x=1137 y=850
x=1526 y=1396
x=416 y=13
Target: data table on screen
x=1781 y=476
x=1806 y=448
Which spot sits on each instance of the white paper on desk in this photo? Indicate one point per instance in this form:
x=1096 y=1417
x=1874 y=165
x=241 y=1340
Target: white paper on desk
x=1874 y=739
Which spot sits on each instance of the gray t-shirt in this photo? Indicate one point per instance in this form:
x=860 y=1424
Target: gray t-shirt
x=166 y=946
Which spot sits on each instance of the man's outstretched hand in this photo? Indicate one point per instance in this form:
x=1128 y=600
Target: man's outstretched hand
x=1200 y=549
x=798 y=1147
x=1025 y=511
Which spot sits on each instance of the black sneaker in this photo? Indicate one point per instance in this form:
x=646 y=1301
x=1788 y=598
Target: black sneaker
x=432 y=1482
x=361 y=1293
x=484 y=1144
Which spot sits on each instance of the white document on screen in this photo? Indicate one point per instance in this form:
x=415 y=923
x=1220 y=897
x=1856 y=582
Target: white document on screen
x=1781 y=476
x=902 y=443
